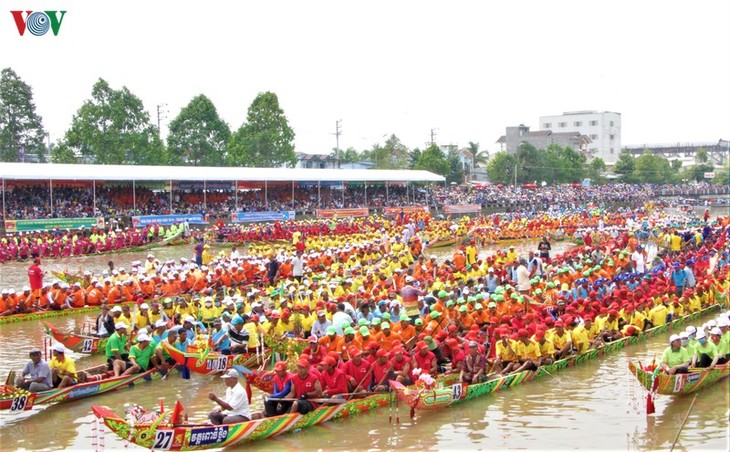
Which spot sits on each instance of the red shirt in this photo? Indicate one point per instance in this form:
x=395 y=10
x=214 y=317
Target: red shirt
x=335 y=383
x=357 y=372
x=379 y=371
x=35 y=277
x=303 y=386
x=425 y=363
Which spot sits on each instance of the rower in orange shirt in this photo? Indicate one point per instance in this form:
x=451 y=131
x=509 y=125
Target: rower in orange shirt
x=78 y=296
x=386 y=337
x=94 y=296
x=405 y=329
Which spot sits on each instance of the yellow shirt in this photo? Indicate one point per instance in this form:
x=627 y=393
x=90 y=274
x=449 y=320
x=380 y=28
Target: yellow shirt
x=530 y=351
x=580 y=339
x=122 y=318
x=67 y=365
x=140 y=320
x=253 y=334
x=505 y=352
x=658 y=315
x=546 y=348
x=559 y=340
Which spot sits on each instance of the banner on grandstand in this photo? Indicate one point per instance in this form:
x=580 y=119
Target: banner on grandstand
x=339 y=213
x=250 y=217
x=463 y=208
x=52 y=223
x=166 y=220
x=409 y=209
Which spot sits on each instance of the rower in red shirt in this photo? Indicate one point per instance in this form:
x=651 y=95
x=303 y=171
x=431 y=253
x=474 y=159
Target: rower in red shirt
x=424 y=359
x=333 y=380
x=356 y=370
x=382 y=371
x=304 y=386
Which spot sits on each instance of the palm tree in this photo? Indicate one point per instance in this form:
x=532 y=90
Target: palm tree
x=480 y=158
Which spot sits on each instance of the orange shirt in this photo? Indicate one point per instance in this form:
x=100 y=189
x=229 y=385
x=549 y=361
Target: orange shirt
x=406 y=333
x=94 y=297
x=78 y=298
x=386 y=341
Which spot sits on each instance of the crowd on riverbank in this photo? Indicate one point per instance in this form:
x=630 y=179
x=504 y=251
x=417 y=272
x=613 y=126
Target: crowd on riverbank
x=71 y=202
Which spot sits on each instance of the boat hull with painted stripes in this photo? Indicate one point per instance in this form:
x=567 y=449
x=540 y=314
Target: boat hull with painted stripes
x=696 y=379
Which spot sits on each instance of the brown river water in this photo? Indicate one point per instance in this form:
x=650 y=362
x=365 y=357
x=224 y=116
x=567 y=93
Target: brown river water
x=594 y=406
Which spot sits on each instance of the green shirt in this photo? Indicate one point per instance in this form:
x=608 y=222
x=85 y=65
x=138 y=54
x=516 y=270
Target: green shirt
x=724 y=347
x=141 y=357
x=672 y=358
x=116 y=343
x=708 y=349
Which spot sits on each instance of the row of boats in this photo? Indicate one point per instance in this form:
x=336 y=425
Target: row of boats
x=163 y=429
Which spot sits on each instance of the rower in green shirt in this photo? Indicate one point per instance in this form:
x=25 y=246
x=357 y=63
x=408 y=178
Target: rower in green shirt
x=705 y=352
x=141 y=356
x=675 y=359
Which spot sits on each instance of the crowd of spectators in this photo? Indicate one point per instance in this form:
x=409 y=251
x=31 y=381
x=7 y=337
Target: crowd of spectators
x=34 y=202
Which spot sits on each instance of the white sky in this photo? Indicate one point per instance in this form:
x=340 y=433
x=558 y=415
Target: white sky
x=466 y=68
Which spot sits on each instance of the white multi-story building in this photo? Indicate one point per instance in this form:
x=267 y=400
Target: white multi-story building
x=603 y=128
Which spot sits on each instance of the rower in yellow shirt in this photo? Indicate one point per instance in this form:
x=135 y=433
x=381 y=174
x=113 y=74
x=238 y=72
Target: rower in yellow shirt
x=63 y=368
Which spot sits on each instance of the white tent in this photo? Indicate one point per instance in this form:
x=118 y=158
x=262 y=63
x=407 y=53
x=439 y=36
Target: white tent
x=134 y=173
x=51 y=171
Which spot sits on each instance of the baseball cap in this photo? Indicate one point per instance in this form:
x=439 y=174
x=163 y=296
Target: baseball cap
x=230 y=373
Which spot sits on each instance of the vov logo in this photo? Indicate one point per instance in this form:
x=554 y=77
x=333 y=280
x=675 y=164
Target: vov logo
x=38 y=22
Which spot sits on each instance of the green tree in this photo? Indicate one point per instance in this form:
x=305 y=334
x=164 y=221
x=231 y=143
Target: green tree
x=21 y=128
x=676 y=165
x=596 y=168
x=349 y=155
x=391 y=155
x=113 y=128
x=265 y=139
x=456 y=167
x=531 y=165
x=701 y=156
x=433 y=159
x=655 y=169
x=625 y=166
x=198 y=136
x=414 y=156
x=501 y=168
x=63 y=154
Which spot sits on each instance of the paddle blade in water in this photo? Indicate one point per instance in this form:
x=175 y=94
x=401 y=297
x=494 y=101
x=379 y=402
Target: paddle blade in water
x=650 y=409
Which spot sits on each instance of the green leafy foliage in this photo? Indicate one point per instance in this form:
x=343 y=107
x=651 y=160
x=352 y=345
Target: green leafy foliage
x=198 y=136
x=501 y=168
x=113 y=128
x=265 y=139
x=433 y=159
x=21 y=128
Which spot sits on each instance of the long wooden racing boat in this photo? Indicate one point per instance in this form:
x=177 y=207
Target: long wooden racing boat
x=208 y=363
x=464 y=391
x=99 y=382
x=160 y=433
x=442 y=242
x=31 y=316
x=70 y=278
x=659 y=382
x=79 y=343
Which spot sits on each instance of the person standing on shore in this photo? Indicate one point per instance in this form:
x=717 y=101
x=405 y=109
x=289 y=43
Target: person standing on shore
x=35 y=278
x=199 y=248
